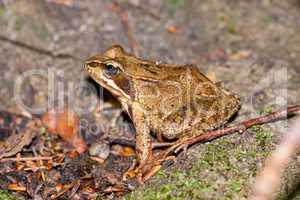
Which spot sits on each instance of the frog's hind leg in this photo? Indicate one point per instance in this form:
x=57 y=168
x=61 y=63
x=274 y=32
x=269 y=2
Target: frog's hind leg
x=159 y=136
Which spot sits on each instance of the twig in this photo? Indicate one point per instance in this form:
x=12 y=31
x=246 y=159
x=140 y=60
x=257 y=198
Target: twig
x=40 y=163
x=26 y=159
x=74 y=189
x=64 y=190
x=115 y=7
x=62 y=2
x=121 y=141
x=240 y=128
x=42 y=167
x=37 y=49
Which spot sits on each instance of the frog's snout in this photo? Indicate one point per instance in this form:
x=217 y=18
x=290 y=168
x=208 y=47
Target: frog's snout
x=86 y=67
x=90 y=65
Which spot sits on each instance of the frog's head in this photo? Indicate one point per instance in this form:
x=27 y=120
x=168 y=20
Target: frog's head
x=116 y=71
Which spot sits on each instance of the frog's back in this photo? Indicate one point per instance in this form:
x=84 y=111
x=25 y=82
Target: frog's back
x=189 y=100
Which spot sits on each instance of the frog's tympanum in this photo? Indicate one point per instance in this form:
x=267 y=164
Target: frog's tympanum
x=170 y=101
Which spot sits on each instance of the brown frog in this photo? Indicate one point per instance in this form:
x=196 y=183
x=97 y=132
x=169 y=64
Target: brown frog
x=171 y=101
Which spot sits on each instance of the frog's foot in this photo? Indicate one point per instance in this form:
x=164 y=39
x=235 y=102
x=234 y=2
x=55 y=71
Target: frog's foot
x=151 y=168
x=182 y=147
x=142 y=179
x=146 y=170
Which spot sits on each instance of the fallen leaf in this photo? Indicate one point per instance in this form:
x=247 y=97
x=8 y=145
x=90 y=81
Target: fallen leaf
x=172 y=29
x=128 y=151
x=72 y=154
x=20 y=133
x=59 y=187
x=97 y=159
x=111 y=189
x=63 y=2
x=16 y=187
x=242 y=54
x=65 y=123
x=122 y=151
x=31 y=164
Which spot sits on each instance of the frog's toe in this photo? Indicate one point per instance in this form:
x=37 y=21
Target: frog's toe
x=182 y=147
x=147 y=175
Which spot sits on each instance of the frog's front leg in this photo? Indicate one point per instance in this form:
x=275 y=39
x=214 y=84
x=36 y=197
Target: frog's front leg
x=143 y=146
x=143 y=141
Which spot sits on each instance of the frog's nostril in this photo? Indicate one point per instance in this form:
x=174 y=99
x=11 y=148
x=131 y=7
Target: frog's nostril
x=87 y=67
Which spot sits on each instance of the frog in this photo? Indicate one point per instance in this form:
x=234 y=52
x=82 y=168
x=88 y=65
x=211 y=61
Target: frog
x=166 y=101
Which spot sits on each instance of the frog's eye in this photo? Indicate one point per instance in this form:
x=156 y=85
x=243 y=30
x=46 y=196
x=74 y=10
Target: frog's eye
x=111 y=70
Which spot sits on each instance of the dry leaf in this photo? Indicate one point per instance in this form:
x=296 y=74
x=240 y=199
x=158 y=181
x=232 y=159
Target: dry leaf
x=243 y=54
x=25 y=128
x=172 y=29
x=62 y=2
x=128 y=151
x=97 y=159
x=72 y=154
x=59 y=187
x=16 y=187
x=122 y=151
x=66 y=124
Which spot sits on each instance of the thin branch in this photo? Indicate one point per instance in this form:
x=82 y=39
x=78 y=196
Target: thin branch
x=240 y=128
x=121 y=141
x=26 y=159
x=116 y=7
x=37 y=49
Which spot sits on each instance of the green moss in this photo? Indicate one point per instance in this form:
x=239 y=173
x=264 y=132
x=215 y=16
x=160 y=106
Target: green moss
x=262 y=136
x=183 y=187
x=266 y=110
x=222 y=171
x=42 y=130
x=235 y=185
x=174 y=5
x=231 y=27
x=2 y=11
x=5 y=195
x=161 y=174
x=18 y=24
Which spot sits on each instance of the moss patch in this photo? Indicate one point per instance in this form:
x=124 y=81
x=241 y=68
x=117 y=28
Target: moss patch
x=2 y=11
x=225 y=169
x=174 y=5
x=5 y=195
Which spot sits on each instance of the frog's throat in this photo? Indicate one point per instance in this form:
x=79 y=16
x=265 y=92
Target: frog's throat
x=115 y=91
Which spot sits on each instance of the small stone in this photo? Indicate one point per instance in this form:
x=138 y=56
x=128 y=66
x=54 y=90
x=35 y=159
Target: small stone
x=100 y=150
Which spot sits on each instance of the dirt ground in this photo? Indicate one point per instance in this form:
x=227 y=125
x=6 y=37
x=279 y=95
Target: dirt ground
x=253 y=47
